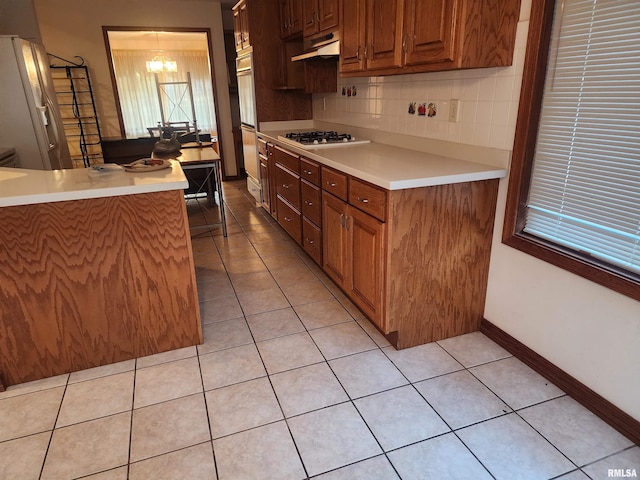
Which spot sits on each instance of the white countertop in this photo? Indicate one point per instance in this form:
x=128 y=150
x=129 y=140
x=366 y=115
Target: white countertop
x=20 y=186
x=392 y=167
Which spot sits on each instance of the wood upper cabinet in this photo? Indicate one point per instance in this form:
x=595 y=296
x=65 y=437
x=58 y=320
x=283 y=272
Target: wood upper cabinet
x=290 y=18
x=406 y=36
x=241 y=25
x=384 y=34
x=430 y=28
x=353 y=35
x=319 y=16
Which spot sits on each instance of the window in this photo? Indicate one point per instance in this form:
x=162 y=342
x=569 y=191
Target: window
x=574 y=192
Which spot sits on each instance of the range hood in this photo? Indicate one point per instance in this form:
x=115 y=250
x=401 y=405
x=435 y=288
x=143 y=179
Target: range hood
x=325 y=46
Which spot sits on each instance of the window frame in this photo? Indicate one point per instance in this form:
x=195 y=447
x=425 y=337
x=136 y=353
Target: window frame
x=528 y=119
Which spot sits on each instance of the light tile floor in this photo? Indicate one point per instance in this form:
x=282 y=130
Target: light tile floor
x=291 y=383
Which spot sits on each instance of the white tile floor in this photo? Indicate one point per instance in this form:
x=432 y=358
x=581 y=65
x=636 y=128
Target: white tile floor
x=291 y=383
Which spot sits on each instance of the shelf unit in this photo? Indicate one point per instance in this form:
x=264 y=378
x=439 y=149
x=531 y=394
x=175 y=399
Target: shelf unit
x=78 y=111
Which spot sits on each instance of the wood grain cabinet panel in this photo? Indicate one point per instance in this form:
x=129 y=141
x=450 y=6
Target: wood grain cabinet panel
x=366 y=242
x=310 y=170
x=288 y=186
x=384 y=34
x=312 y=240
x=319 y=16
x=334 y=238
x=368 y=198
x=334 y=182
x=353 y=35
x=290 y=18
x=91 y=282
x=409 y=36
x=430 y=28
x=290 y=219
x=311 y=202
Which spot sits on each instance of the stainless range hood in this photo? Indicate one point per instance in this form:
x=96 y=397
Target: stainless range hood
x=326 y=46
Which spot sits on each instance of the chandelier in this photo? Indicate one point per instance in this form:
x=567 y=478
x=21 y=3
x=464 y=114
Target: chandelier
x=161 y=63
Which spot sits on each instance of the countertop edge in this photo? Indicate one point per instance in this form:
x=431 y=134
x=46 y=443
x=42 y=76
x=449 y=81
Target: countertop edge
x=484 y=171
x=72 y=192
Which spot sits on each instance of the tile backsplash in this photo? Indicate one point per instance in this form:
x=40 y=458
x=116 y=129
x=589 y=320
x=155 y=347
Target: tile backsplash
x=488 y=102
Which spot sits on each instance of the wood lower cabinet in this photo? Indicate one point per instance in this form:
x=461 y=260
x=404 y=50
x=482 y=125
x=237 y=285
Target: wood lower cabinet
x=407 y=36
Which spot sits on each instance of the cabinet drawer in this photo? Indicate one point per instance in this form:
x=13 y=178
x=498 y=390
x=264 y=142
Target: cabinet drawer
x=262 y=147
x=286 y=158
x=368 y=198
x=311 y=202
x=334 y=182
x=290 y=219
x=312 y=240
x=310 y=170
x=288 y=186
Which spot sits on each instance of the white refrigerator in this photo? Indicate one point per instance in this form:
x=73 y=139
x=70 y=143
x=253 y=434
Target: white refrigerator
x=30 y=118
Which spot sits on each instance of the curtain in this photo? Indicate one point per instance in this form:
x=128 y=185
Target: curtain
x=139 y=97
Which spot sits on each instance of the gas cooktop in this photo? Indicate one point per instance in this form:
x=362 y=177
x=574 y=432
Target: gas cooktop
x=320 y=139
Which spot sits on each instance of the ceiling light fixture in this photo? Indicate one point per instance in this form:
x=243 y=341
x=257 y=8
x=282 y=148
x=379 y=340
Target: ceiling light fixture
x=161 y=63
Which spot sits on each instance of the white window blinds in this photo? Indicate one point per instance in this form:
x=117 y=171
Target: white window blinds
x=585 y=186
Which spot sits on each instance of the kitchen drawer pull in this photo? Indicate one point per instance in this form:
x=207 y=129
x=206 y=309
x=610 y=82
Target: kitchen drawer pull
x=308 y=172
x=286 y=185
x=309 y=241
x=287 y=219
x=363 y=200
x=308 y=202
x=331 y=184
x=342 y=220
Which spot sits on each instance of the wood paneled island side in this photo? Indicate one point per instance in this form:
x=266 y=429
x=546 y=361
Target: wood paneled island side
x=91 y=281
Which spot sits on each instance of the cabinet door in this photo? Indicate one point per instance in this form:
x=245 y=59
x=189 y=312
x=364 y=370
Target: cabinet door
x=237 y=29
x=353 y=35
x=285 y=18
x=334 y=238
x=430 y=27
x=384 y=34
x=310 y=17
x=327 y=15
x=244 y=23
x=366 y=267
x=295 y=17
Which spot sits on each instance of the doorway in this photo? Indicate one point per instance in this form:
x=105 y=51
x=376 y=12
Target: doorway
x=163 y=81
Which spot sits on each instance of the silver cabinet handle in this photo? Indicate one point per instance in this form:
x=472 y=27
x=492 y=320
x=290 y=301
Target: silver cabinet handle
x=308 y=172
x=358 y=53
x=308 y=202
x=309 y=241
x=342 y=220
x=286 y=185
x=363 y=200
x=331 y=184
x=287 y=219
x=318 y=16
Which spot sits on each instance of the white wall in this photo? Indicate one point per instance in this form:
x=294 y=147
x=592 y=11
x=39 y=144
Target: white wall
x=589 y=331
x=74 y=27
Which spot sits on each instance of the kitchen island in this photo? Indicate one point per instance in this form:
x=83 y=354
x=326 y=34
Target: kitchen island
x=406 y=234
x=95 y=268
